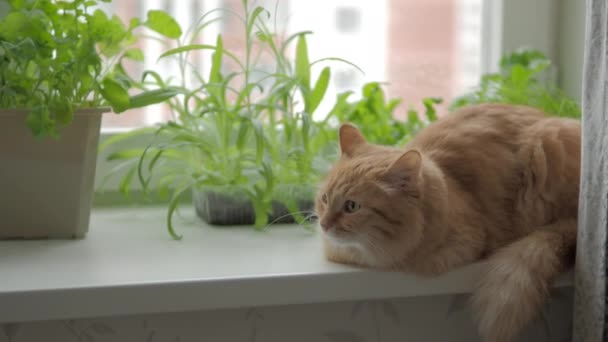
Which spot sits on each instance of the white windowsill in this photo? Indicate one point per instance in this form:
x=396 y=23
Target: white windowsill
x=129 y=265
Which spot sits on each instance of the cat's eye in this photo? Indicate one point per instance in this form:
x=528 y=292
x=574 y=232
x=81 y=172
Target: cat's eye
x=324 y=199
x=351 y=206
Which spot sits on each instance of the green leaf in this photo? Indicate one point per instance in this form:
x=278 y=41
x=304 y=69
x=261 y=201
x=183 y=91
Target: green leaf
x=62 y=111
x=65 y=5
x=216 y=87
x=173 y=203
x=216 y=61
x=392 y=104
x=156 y=76
x=135 y=54
x=194 y=47
x=135 y=22
x=318 y=91
x=341 y=107
x=115 y=94
x=162 y=23
x=124 y=136
x=291 y=38
x=118 y=169
x=16 y=4
x=242 y=135
x=519 y=74
x=302 y=63
x=260 y=207
x=13 y=25
x=259 y=141
x=292 y=208
x=269 y=178
x=40 y=122
x=429 y=104
x=306 y=123
x=142 y=180
x=151 y=97
x=337 y=59
x=125 y=183
x=125 y=154
x=245 y=92
x=163 y=186
x=186 y=48
x=412 y=116
x=264 y=37
x=252 y=19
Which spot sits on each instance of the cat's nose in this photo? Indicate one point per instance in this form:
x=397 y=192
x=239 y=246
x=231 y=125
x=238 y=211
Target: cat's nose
x=325 y=225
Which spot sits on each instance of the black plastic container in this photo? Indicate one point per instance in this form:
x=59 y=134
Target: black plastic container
x=229 y=208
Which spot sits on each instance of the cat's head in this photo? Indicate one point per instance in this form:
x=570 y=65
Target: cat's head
x=371 y=199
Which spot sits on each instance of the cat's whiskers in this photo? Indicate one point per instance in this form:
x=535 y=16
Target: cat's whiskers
x=310 y=217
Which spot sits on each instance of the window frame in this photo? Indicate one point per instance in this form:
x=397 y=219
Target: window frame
x=510 y=24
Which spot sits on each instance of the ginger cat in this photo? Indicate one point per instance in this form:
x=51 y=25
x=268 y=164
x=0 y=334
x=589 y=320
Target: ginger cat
x=488 y=182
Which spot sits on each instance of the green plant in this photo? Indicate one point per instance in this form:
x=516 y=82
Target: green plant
x=376 y=117
x=57 y=56
x=523 y=79
x=242 y=128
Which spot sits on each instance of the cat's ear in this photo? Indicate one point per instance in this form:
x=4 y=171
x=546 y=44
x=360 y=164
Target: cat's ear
x=350 y=139
x=405 y=170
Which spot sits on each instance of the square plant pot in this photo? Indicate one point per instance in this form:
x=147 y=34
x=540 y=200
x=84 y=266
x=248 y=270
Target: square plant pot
x=231 y=207
x=46 y=186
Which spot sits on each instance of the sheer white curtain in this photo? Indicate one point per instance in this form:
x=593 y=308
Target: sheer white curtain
x=590 y=323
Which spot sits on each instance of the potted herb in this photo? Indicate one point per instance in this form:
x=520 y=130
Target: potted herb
x=377 y=118
x=60 y=69
x=242 y=141
x=523 y=78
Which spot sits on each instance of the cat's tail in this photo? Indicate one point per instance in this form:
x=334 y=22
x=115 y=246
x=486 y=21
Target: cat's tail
x=519 y=278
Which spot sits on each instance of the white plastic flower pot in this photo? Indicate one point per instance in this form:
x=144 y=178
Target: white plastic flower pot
x=46 y=186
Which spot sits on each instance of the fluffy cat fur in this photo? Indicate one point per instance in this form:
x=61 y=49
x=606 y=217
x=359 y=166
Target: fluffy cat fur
x=489 y=182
